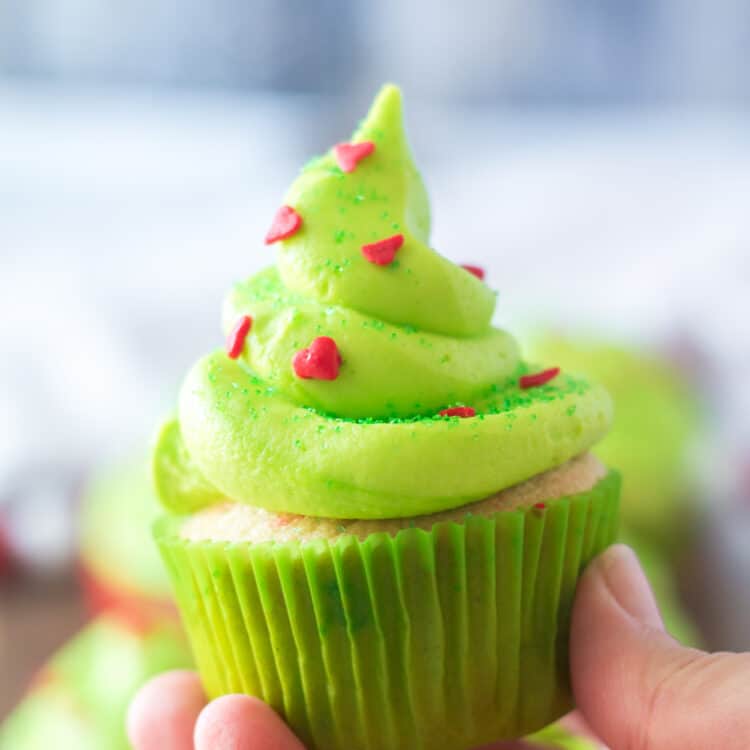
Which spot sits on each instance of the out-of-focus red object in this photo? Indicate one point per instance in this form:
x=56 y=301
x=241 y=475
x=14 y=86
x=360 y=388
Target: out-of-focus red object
x=133 y=608
x=6 y=551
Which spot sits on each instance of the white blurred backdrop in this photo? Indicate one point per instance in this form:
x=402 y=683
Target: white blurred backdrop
x=593 y=156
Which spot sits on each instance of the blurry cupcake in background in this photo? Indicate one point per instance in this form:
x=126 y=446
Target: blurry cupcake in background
x=120 y=568
x=657 y=423
x=661 y=574
x=80 y=698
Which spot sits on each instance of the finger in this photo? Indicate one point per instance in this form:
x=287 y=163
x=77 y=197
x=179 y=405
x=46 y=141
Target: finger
x=239 y=722
x=163 y=713
x=636 y=686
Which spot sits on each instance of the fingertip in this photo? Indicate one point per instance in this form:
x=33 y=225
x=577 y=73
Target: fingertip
x=616 y=628
x=163 y=712
x=615 y=580
x=241 y=721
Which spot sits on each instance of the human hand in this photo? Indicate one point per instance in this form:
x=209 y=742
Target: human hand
x=636 y=687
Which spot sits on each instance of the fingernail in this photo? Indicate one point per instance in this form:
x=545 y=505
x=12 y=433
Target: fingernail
x=628 y=585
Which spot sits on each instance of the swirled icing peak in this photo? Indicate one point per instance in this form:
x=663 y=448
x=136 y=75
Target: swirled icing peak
x=382 y=197
x=362 y=377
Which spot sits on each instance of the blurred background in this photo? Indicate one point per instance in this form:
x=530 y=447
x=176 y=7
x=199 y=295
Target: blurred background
x=594 y=157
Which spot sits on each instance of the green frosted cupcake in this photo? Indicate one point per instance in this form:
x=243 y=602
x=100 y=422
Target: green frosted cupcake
x=379 y=511
x=119 y=565
x=80 y=699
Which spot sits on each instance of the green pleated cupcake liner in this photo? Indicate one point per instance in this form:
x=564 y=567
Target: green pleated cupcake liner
x=442 y=639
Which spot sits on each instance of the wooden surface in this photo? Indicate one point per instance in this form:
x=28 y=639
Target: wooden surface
x=36 y=617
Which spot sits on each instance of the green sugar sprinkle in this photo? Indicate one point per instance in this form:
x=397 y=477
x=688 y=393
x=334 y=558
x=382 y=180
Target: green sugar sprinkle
x=505 y=399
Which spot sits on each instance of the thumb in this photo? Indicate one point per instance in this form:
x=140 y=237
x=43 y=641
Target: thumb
x=637 y=687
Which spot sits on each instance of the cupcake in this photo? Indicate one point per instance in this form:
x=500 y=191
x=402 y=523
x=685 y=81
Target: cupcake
x=378 y=510
x=80 y=698
x=119 y=563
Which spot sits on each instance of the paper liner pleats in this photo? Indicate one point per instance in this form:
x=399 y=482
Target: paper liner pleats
x=441 y=639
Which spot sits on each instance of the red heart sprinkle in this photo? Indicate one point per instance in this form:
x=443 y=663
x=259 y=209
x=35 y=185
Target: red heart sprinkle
x=540 y=506
x=348 y=155
x=382 y=252
x=286 y=222
x=538 y=378
x=475 y=270
x=459 y=411
x=320 y=361
x=237 y=336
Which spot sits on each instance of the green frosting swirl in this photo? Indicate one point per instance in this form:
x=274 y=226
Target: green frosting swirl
x=414 y=336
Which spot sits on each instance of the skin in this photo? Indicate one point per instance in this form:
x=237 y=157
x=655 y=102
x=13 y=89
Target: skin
x=635 y=686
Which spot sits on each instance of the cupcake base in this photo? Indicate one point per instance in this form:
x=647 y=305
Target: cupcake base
x=444 y=638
